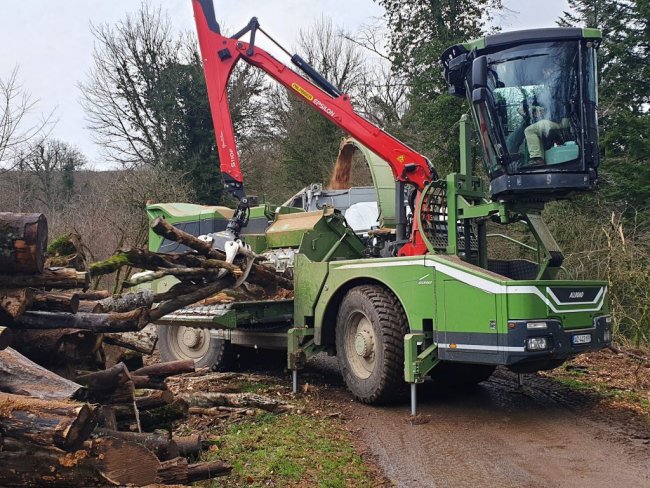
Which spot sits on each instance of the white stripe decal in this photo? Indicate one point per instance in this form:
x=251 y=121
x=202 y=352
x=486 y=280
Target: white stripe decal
x=476 y=347
x=479 y=282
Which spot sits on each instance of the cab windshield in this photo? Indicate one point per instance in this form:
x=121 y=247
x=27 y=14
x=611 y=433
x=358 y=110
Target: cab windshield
x=535 y=92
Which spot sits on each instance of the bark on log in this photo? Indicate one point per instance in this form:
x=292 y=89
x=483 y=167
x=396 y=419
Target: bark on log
x=57 y=347
x=170 y=368
x=65 y=425
x=5 y=337
x=184 y=274
x=23 y=240
x=128 y=301
x=189 y=445
x=13 y=303
x=107 y=419
x=160 y=444
x=94 y=322
x=207 y=470
x=88 y=306
x=93 y=295
x=62 y=278
x=20 y=376
x=239 y=400
x=143 y=341
x=23 y=464
x=149 y=382
x=107 y=380
x=259 y=274
x=173 y=471
x=156 y=399
x=184 y=300
x=55 y=302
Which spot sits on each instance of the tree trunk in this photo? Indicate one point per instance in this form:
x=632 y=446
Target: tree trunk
x=259 y=273
x=156 y=399
x=62 y=278
x=170 y=368
x=107 y=380
x=23 y=240
x=173 y=471
x=61 y=347
x=143 y=341
x=55 y=302
x=93 y=295
x=152 y=383
x=161 y=445
x=65 y=425
x=189 y=445
x=94 y=322
x=20 y=376
x=88 y=306
x=239 y=400
x=128 y=301
x=206 y=471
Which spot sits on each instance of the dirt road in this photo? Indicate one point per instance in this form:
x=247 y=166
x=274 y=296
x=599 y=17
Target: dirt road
x=495 y=436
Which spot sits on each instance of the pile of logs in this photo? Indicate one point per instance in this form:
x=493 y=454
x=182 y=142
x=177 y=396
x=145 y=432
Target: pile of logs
x=90 y=425
x=99 y=430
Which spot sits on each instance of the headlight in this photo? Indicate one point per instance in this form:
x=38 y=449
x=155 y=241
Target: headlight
x=536 y=325
x=537 y=343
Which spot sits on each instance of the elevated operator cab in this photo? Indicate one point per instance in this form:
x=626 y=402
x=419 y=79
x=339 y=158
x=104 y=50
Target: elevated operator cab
x=534 y=97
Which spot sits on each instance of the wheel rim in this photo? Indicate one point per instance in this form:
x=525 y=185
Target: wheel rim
x=360 y=345
x=188 y=342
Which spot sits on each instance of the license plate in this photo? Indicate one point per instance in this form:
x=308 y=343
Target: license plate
x=581 y=339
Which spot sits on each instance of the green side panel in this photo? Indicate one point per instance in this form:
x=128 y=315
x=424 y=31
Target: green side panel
x=384 y=182
x=331 y=239
x=480 y=317
x=309 y=277
x=257 y=242
x=288 y=229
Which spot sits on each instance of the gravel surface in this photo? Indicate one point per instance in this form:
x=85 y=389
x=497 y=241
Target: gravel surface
x=494 y=435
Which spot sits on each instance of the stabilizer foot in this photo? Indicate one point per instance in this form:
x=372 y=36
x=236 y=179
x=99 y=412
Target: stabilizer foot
x=294 y=375
x=414 y=399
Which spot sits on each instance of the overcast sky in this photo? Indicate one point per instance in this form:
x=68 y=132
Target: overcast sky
x=51 y=43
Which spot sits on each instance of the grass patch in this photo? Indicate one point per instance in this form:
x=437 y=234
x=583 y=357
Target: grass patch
x=604 y=391
x=245 y=386
x=289 y=450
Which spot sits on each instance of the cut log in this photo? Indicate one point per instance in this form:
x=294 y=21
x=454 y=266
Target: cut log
x=92 y=295
x=5 y=337
x=107 y=380
x=148 y=382
x=207 y=470
x=184 y=274
x=62 y=278
x=157 y=398
x=162 y=417
x=24 y=464
x=128 y=301
x=259 y=273
x=189 y=445
x=55 y=302
x=65 y=425
x=13 y=303
x=107 y=419
x=170 y=368
x=94 y=322
x=124 y=462
x=88 y=306
x=239 y=400
x=160 y=444
x=123 y=394
x=143 y=341
x=184 y=300
x=60 y=347
x=23 y=240
x=20 y=376
x=173 y=471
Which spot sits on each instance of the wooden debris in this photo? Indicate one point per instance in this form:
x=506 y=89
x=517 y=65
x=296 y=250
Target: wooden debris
x=55 y=302
x=23 y=239
x=170 y=368
x=238 y=400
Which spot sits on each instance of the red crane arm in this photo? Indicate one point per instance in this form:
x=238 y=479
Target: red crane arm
x=220 y=54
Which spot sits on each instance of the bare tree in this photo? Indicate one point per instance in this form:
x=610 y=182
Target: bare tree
x=16 y=130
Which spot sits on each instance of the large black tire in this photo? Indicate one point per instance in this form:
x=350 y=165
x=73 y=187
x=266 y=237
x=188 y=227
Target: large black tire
x=460 y=374
x=180 y=342
x=370 y=330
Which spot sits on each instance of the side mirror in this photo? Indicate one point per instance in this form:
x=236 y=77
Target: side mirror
x=479 y=72
x=479 y=96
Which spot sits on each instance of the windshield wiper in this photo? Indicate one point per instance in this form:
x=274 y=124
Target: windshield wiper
x=516 y=58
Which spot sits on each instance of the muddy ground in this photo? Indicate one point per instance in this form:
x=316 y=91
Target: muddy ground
x=495 y=435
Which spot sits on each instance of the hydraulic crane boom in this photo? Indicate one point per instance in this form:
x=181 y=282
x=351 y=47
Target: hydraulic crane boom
x=220 y=55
